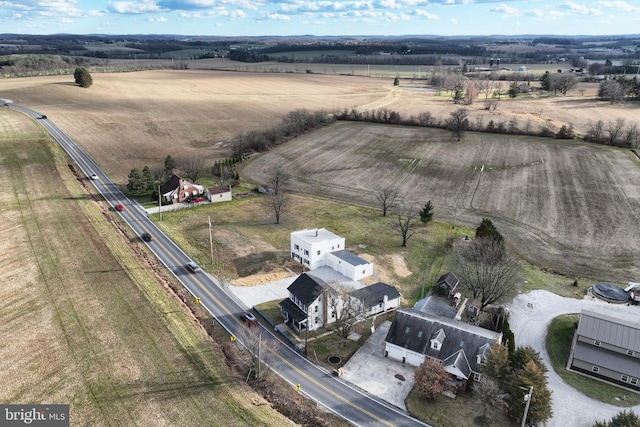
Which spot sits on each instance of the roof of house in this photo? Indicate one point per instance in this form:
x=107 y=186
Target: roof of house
x=293 y=310
x=305 y=288
x=172 y=184
x=350 y=258
x=413 y=330
x=436 y=306
x=458 y=364
x=314 y=235
x=449 y=280
x=374 y=294
x=610 y=330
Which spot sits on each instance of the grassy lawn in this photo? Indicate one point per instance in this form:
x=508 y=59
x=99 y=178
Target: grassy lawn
x=559 y=336
x=459 y=412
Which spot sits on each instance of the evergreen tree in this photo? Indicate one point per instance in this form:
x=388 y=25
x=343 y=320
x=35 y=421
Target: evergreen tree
x=621 y=419
x=169 y=166
x=532 y=375
x=396 y=81
x=426 y=214
x=82 y=77
x=149 y=181
x=136 y=184
x=514 y=90
x=487 y=229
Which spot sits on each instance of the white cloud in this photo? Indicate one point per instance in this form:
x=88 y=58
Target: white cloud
x=128 y=7
x=533 y=12
x=277 y=17
x=584 y=10
x=425 y=14
x=506 y=10
x=157 y=19
x=622 y=6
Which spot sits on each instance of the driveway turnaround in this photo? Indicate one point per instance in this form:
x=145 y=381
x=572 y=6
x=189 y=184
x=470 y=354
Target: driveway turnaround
x=530 y=316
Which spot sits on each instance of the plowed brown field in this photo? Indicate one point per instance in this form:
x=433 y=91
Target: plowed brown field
x=568 y=206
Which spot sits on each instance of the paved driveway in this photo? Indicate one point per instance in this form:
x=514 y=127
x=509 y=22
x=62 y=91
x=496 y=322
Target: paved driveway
x=531 y=314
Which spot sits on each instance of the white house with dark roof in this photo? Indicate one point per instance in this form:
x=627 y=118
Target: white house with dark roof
x=320 y=247
x=607 y=348
x=312 y=303
x=461 y=348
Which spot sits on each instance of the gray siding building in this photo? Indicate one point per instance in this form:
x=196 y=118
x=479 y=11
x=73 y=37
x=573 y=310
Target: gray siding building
x=607 y=348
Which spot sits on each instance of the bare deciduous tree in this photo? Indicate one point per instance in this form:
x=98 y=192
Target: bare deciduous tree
x=490 y=395
x=406 y=222
x=431 y=380
x=487 y=270
x=457 y=122
x=614 y=130
x=222 y=172
x=387 y=198
x=192 y=167
x=259 y=357
x=277 y=199
x=346 y=310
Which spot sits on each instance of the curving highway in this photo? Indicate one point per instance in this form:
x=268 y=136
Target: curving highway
x=353 y=405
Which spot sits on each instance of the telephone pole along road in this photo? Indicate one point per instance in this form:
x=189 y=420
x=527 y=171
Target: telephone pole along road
x=318 y=384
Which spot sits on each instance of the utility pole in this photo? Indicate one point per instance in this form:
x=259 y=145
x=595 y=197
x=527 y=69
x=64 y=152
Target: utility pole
x=210 y=241
x=527 y=398
x=159 y=203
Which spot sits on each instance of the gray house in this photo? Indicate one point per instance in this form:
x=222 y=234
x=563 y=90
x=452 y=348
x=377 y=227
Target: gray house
x=607 y=348
x=460 y=347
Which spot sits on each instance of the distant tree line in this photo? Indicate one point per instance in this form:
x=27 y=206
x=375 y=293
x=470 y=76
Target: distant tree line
x=292 y=125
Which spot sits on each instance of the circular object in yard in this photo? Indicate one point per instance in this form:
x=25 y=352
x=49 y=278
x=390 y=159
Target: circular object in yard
x=334 y=360
x=610 y=293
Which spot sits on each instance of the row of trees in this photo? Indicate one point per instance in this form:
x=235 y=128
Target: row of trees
x=292 y=125
x=512 y=379
x=614 y=132
x=619 y=88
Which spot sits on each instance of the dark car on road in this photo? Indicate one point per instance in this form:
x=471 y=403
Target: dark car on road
x=146 y=237
x=248 y=318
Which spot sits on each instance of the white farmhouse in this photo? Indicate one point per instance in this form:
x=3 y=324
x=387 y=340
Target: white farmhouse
x=319 y=247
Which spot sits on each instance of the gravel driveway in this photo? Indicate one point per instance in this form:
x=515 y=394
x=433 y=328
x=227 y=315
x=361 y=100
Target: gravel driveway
x=531 y=314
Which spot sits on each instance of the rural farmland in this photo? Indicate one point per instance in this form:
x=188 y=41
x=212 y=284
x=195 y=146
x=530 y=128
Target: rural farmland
x=566 y=206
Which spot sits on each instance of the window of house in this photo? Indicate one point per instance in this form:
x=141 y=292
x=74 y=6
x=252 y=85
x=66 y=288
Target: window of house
x=596 y=342
x=630 y=353
x=317 y=320
x=407 y=329
x=380 y=305
x=435 y=345
x=363 y=271
x=316 y=308
x=297 y=247
x=624 y=378
x=318 y=253
x=333 y=315
x=477 y=377
x=596 y=369
x=419 y=334
x=634 y=381
x=306 y=261
x=333 y=248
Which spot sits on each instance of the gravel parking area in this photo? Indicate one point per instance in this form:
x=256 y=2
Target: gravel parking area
x=531 y=314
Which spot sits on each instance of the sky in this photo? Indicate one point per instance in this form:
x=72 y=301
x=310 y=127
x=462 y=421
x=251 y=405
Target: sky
x=321 y=17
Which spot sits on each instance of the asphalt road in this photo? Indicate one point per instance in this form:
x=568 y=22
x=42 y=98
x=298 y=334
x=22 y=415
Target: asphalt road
x=316 y=383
